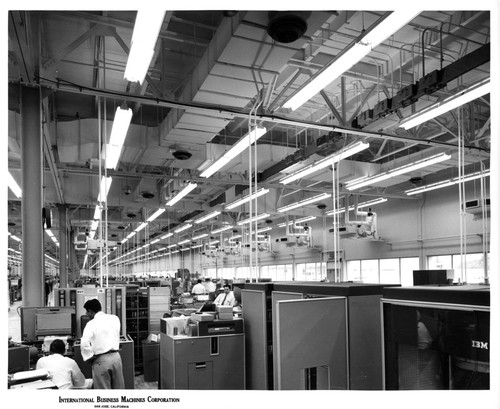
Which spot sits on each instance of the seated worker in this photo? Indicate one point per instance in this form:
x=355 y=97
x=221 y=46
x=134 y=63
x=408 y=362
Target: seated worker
x=198 y=288
x=64 y=371
x=226 y=298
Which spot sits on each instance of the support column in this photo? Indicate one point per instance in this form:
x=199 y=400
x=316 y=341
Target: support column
x=32 y=201
x=63 y=248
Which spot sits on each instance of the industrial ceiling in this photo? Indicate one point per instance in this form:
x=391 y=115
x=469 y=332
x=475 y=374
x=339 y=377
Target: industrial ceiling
x=214 y=75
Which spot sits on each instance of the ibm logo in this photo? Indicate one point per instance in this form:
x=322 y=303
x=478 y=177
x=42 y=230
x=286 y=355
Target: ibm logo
x=479 y=344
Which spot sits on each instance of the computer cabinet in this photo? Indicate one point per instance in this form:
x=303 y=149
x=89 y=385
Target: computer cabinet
x=436 y=337
x=137 y=316
x=203 y=362
x=159 y=304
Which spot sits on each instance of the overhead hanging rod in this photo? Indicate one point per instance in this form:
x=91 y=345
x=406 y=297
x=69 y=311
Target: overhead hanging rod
x=233 y=112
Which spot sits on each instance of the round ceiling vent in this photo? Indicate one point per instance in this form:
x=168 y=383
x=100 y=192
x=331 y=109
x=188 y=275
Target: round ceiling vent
x=286 y=27
x=321 y=206
x=269 y=221
x=11 y=224
x=131 y=215
x=181 y=155
x=121 y=227
x=417 y=180
x=147 y=195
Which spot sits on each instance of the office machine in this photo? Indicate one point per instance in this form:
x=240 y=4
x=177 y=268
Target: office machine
x=422 y=277
x=436 y=337
x=112 y=300
x=215 y=361
x=126 y=352
x=265 y=352
x=38 y=322
x=18 y=359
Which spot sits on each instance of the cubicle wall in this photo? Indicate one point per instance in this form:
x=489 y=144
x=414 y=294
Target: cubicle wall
x=311 y=344
x=258 y=367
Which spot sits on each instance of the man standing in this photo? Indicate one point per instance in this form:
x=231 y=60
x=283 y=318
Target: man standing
x=99 y=345
x=198 y=288
x=64 y=371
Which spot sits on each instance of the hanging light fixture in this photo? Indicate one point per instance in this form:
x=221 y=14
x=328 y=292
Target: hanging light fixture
x=356 y=184
x=147 y=27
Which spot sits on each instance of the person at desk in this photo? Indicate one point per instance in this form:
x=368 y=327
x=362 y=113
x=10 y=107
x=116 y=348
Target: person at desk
x=99 y=345
x=198 y=288
x=64 y=371
x=226 y=298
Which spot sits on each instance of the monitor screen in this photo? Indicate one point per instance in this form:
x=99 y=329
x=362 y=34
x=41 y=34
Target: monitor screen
x=53 y=323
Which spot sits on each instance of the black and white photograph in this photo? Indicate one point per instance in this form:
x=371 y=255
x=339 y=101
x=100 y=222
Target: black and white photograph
x=285 y=204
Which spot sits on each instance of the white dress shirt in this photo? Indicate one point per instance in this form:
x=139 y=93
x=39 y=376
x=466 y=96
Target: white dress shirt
x=64 y=371
x=198 y=289
x=101 y=334
x=223 y=300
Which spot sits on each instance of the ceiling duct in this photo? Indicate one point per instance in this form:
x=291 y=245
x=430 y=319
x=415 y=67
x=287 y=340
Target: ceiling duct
x=287 y=26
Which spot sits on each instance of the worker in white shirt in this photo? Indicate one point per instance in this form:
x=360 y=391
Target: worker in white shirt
x=209 y=285
x=226 y=298
x=64 y=371
x=198 y=288
x=99 y=345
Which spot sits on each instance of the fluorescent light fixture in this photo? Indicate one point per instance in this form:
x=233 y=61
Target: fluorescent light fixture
x=450 y=182
x=184 y=242
x=201 y=236
x=213 y=242
x=346 y=59
x=303 y=202
x=220 y=230
x=121 y=123
x=15 y=238
x=182 y=228
x=131 y=234
x=360 y=205
x=234 y=151
x=97 y=213
x=140 y=227
x=253 y=219
x=172 y=246
x=196 y=247
x=356 y=184
x=186 y=248
x=460 y=98
x=155 y=215
x=165 y=236
x=187 y=189
x=13 y=185
x=324 y=163
x=173 y=252
x=246 y=199
x=207 y=217
x=155 y=241
x=301 y=220
x=147 y=27
x=104 y=187
x=264 y=229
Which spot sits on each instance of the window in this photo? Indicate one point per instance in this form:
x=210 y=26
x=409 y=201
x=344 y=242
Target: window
x=369 y=271
x=300 y=272
x=353 y=270
x=389 y=271
x=408 y=264
x=439 y=262
x=473 y=271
